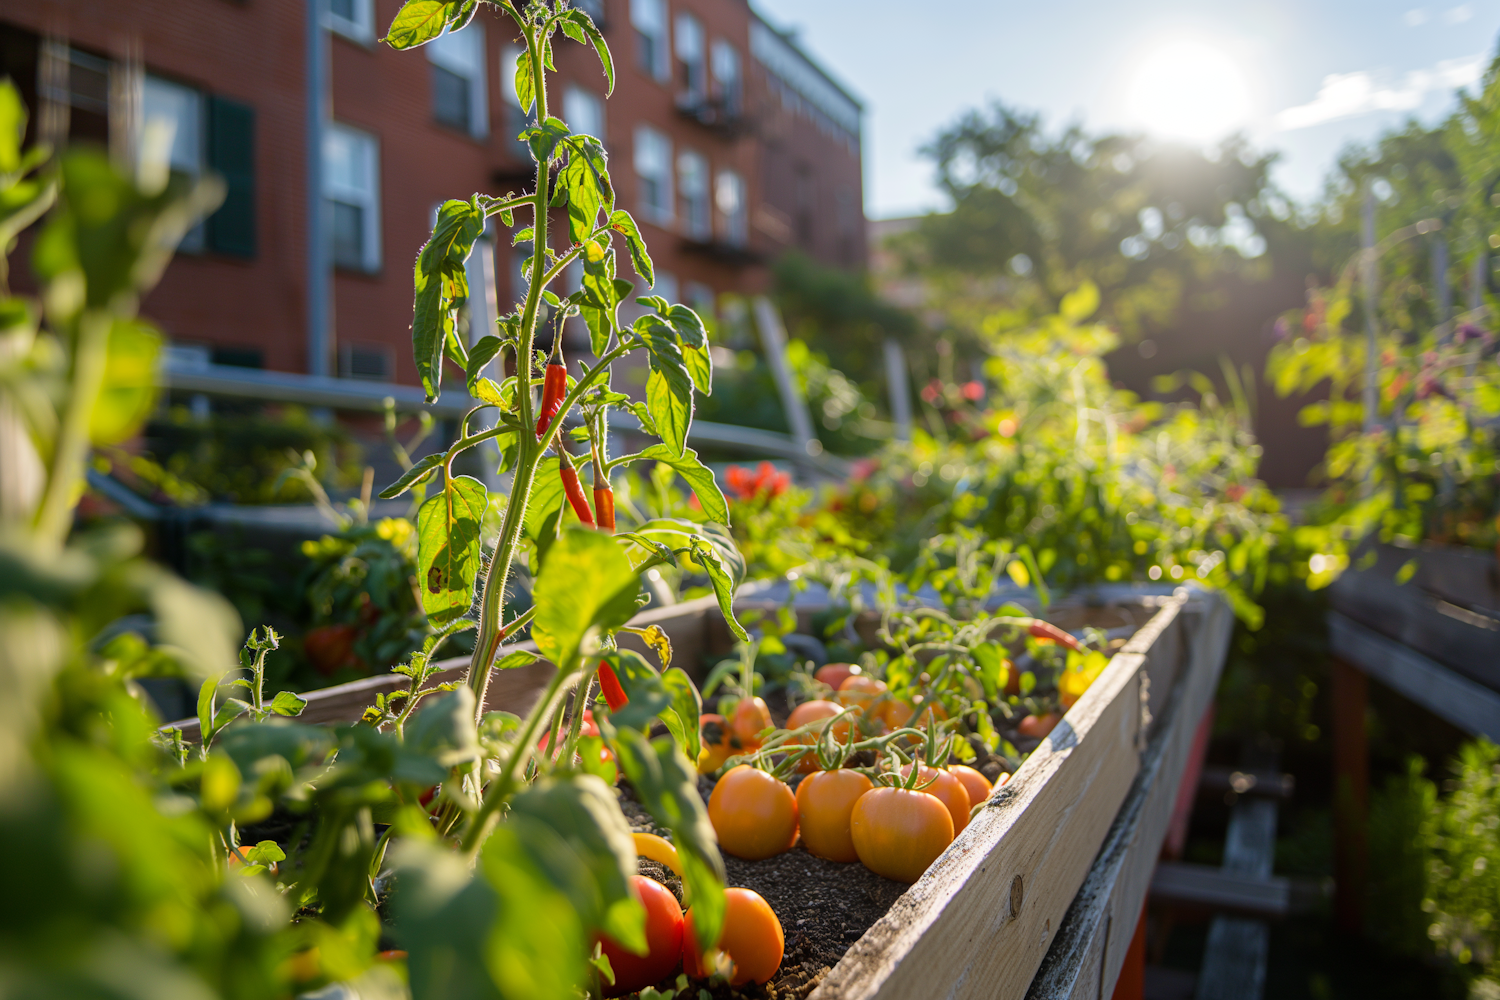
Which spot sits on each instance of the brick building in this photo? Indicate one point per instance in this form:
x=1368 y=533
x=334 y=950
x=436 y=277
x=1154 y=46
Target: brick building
x=728 y=144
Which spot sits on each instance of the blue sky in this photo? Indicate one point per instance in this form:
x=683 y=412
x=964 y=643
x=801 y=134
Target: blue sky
x=1304 y=77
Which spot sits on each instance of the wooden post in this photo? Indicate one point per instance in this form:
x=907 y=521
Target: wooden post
x=1131 y=984
x=1351 y=795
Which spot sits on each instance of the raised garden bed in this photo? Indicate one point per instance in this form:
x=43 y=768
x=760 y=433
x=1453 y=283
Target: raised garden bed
x=1088 y=809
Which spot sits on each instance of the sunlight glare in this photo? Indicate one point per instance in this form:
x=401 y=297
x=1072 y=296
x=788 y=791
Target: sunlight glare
x=1188 y=90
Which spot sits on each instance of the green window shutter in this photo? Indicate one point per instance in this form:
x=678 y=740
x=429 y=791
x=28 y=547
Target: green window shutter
x=231 y=152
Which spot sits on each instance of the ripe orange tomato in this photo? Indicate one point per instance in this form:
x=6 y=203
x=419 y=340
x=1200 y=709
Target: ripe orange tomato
x=825 y=801
x=716 y=749
x=835 y=674
x=861 y=691
x=754 y=814
x=1038 y=726
x=663 y=941
x=949 y=791
x=752 y=939
x=896 y=714
x=976 y=784
x=751 y=717
x=899 y=833
x=812 y=711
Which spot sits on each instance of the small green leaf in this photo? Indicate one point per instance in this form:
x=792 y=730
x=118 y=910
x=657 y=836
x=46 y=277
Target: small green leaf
x=724 y=575
x=448 y=548
x=669 y=398
x=622 y=222
x=643 y=686
x=546 y=498
x=586 y=181
x=128 y=393
x=587 y=584
x=420 y=21
x=687 y=706
x=440 y=287
x=288 y=704
x=481 y=354
x=420 y=470
x=525 y=83
x=444 y=729
x=545 y=138
x=578 y=19
x=699 y=476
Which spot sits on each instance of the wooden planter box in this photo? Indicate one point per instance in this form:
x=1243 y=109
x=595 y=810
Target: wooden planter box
x=1053 y=873
x=1449 y=611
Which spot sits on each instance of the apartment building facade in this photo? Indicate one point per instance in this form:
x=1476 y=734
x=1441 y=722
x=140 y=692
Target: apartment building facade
x=728 y=144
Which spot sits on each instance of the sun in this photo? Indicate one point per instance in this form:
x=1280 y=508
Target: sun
x=1188 y=90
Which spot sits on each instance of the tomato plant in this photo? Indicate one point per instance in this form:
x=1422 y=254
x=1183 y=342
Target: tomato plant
x=752 y=940
x=754 y=813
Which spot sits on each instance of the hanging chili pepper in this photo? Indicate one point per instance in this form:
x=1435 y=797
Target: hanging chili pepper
x=610 y=685
x=571 y=486
x=604 y=496
x=1046 y=630
x=554 y=388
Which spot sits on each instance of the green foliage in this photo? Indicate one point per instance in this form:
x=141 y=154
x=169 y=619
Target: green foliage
x=838 y=311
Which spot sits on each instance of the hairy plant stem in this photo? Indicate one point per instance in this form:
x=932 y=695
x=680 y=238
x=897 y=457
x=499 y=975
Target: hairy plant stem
x=54 y=515
x=493 y=604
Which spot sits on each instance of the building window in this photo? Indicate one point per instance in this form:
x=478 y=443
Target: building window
x=649 y=19
x=726 y=67
x=692 y=182
x=351 y=186
x=172 y=128
x=371 y=362
x=653 y=166
x=583 y=111
x=693 y=59
x=729 y=197
x=458 y=91
x=354 y=19
x=80 y=83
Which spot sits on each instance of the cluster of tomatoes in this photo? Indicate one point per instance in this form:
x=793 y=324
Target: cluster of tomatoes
x=751 y=944
x=841 y=814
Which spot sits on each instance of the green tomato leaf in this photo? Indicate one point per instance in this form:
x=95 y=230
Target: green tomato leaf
x=448 y=548
x=545 y=137
x=666 y=783
x=444 y=729
x=128 y=393
x=699 y=476
x=643 y=686
x=420 y=21
x=622 y=222
x=582 y=813
x=421 y=469
x=525 y=84
x=288 y=704
x=580 y=21
x=586 y=585
x=687 y=708
x=546 y=498
x=669 y=399
x=724 y=573
x=586 y=181
x=481 y=354
x=441 y=286
x=993 y=673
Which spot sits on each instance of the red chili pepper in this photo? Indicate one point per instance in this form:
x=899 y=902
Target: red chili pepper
x=1046 y=630
x=604 y=506
x=572 y=487
x=610 y=685
x=554 y=388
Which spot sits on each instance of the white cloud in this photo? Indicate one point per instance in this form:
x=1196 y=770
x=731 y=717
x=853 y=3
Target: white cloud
x=1345 y=95
x=1415 y=18
x=1459 y=14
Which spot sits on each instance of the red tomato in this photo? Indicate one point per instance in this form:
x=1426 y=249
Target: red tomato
x=663 y=941
x=1038 y=726
x=976 y=784
x=330 y=648
x=825 y=801
x=949 y=791
x=754 y=814
x=752 y=939
x=751 y=717
x=835 y=674
x=899 y=833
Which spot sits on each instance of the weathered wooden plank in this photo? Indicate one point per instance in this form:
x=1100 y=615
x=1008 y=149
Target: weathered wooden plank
x=1472 y=707
x=1218 y=889
x=1086 y=957
x=979 y=922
